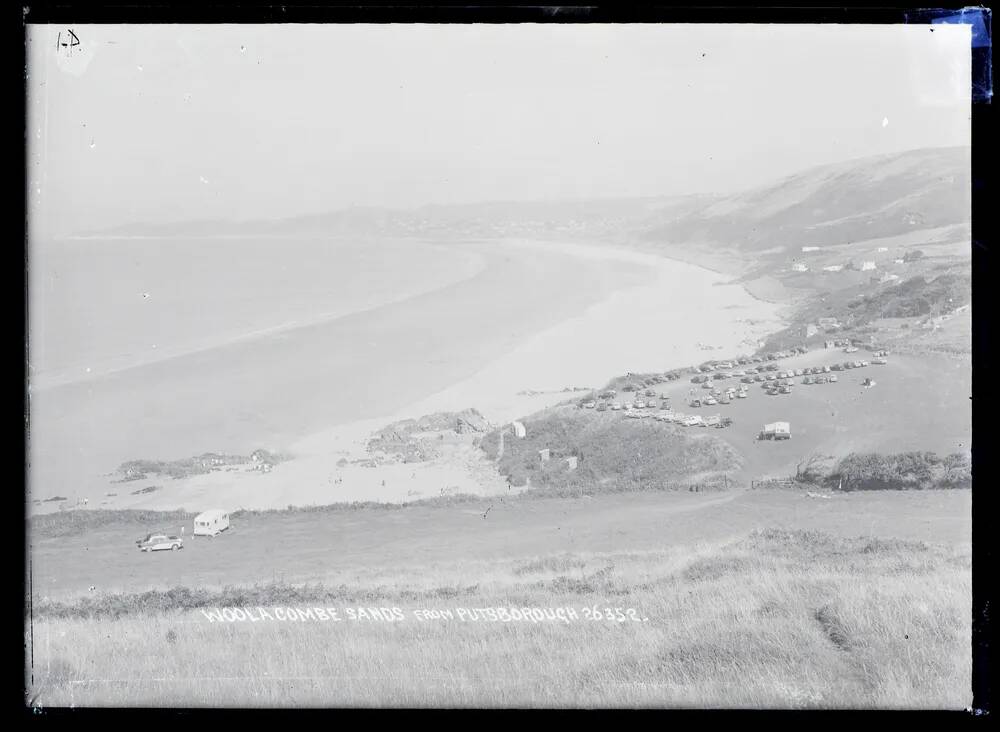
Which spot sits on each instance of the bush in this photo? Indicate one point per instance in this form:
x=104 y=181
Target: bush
x=902 y=471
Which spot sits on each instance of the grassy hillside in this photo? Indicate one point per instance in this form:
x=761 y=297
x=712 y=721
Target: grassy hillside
x=866 y=310
x=613 y=454
x=836 y=204
x=781 y=618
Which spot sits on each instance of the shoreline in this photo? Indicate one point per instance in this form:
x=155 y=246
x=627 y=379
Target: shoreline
x=538 y=363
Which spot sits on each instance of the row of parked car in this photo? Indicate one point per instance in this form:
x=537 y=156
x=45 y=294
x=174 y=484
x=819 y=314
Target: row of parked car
x=686 y=420
x=604 y=406
x=747 y=360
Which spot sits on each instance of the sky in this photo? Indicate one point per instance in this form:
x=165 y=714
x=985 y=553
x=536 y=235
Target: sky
x=168 y=123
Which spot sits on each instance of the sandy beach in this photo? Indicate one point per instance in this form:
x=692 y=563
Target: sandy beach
x=538 y=317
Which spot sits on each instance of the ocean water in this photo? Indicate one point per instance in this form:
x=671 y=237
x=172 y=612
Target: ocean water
x=259 y=343
x=101 y=305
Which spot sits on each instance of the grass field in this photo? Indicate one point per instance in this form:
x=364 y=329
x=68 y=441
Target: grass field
x=756 y=598
x=919 y=402
x=779 y=618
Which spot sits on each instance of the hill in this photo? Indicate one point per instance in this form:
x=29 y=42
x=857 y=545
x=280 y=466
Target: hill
x=830 y=205
x=827 y=205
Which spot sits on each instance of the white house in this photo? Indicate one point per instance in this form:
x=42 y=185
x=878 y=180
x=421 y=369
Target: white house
x=811 y=330
x=833 y=268
x=883 y=249
x=810 y=249
x=867 y=266
x=799 y=267
x=543 y=455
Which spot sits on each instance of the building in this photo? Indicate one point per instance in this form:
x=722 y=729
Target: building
x=518 y=428
x=828 y=323
x=867 y=266
x=799 y=267
x=543 y=455
x=898 y=261
x=811 y=330
x=883 y=249
x=833 y=268
x=571 y=462
x=830 y=344
x=810 y=249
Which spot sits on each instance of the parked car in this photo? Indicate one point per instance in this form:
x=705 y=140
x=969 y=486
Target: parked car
x=851 y=349
x=711 y=401
x=741 y=395
x=837 y=367
x=159 y=542
x=807 y=380
x=880 y=361
x=833 y=378
x=589 y=405
x=712 y=421
x=602 y=407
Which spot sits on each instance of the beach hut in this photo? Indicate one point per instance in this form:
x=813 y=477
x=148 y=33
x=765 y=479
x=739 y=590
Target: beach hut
x=211 y=523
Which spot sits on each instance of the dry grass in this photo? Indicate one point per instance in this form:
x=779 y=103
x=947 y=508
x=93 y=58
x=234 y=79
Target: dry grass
x=779 y=619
